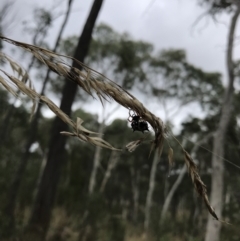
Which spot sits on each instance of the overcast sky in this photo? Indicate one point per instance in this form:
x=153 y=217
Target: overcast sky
x=165 y=23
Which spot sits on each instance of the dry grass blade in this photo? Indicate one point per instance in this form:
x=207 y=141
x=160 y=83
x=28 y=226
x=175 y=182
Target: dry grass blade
x=131 y=146
x=80 y=129
x=91 y=139
x=198 y=183
x=16 y=68
x=7 y=86
x=22 y=76
x=96 y=84
x=82 y=134
x=58 y=112
x=24 y=89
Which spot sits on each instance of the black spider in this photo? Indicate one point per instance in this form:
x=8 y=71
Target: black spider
x=137 y=123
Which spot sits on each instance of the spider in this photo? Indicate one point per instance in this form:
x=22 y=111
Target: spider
x=137 y=123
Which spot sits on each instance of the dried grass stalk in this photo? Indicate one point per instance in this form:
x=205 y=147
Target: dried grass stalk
x=22 y=76
x=200 y=187
x=96 y=85
x=131 y=146
x=79 y=131
x=16 y=68
x=7 y=86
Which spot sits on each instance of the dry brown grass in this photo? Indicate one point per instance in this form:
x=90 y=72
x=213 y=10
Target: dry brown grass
x=200 y=187
x=96 y=85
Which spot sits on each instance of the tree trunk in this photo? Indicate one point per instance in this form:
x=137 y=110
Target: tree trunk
x=97 y=157
x=96 y=163
x=171 y=193
x=40 y=217
x=216 y=197
x=125 y=209
x=113 y=160
x=135 y=176
x=150 y=191
x=14 y=188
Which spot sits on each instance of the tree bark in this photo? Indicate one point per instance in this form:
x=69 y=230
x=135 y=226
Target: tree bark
x=14 y=188
x=217 y=183
x=113 y=160
x=41 y=213
x=171 y=193
x=150 y=191
x=97 y=157
x=135 y=176
x=96 y=163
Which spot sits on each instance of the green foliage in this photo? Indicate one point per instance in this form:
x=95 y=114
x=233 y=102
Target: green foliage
x=218 y=6
x=185 y=82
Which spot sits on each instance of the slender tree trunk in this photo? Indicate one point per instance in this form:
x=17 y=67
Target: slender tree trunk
x=97 y=156
x=14 y=188
x=42 y=167
x=41 y=214
x=125 y=209
x=150 y=191
x=171 y=193
x=96 y=163
x=216 y=197
x=113 y=160
x=135 y=189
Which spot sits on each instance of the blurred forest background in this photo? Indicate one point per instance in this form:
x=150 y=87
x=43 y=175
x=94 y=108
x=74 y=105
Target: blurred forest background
x=59 y=189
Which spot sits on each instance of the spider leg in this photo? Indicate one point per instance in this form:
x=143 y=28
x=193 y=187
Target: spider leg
x=130 y=120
